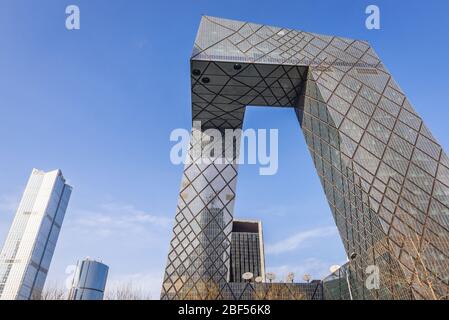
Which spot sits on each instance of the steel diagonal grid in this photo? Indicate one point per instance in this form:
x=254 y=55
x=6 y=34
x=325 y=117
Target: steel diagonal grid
x=385 y=176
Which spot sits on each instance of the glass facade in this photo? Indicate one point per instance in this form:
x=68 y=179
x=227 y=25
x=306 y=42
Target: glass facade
x=247 y=254
x=31 y=241
x=385 y=176
x=343 y=285
x=89 y=281
x=273 y=291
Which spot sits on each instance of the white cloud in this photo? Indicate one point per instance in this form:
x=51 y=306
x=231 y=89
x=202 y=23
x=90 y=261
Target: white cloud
x=293 y=242
x=130 y=241
x=114 y=218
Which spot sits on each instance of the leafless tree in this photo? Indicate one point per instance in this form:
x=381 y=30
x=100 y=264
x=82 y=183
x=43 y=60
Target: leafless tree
x=51 y=292
x=203 y=290
x=427 y=270
x=278 y=291
x=422 y=273
x=126 y=292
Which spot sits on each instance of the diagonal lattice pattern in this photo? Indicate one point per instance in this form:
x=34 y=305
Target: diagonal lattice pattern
x=385 y=176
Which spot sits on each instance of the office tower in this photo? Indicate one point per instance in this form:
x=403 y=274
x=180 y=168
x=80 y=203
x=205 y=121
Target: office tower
x=385 y=176
x=211 y=223
x=206 y=263
x=89 y=280
x=31 y=241
x=247 y=250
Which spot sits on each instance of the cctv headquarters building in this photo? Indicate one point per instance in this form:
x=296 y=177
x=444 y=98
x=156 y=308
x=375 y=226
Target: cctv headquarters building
x=385 y=176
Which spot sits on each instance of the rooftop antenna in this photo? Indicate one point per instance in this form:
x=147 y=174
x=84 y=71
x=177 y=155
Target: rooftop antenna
x=334 y=268
x=247 y=276
x=307 y=277
x=271 y=276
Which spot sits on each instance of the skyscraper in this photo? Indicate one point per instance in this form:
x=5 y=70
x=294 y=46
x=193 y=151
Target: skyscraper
x=205 y=264
x=385 y=176
x=89 y=280
x=31 y=241
x=247 y=251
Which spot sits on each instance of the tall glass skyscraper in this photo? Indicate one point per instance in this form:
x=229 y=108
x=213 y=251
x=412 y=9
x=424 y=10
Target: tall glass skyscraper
x=385 y=176
x=31 y=241
x=247 y=250
x=89 y=281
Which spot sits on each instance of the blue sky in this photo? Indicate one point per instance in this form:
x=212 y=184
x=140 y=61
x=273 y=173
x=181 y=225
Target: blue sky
x=100 y=104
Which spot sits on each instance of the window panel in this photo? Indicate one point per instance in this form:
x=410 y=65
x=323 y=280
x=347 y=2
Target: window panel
x=373 y=145
x=396 y=161
x=401 y=146
x=424 y=162
x=410 y=119
x=406 y=132
x=384 y=118
x=389 y=107
x=352 y=130
x=379 y=131
x=428 y=147
x=358 y=117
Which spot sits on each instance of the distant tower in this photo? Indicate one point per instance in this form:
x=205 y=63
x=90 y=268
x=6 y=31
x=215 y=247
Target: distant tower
x=247 y=252
x=211 y=222
x=28 y=249
x=89 y=280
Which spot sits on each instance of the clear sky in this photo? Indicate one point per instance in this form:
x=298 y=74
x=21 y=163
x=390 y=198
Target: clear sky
x=100 y=103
